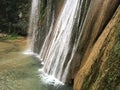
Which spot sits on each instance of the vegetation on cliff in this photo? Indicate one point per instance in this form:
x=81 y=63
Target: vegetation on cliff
x=112 y=79
x=101 y=70
x=117 y=47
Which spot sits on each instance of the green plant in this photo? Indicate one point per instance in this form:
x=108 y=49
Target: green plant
x=117 y=49
x=117 y=46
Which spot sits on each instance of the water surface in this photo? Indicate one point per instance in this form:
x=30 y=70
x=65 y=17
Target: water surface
x=21 y=72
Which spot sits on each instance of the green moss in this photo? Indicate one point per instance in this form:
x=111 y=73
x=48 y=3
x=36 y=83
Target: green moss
x=92 y=76
x=117 y=46
x=111 y=80
x=117 y=49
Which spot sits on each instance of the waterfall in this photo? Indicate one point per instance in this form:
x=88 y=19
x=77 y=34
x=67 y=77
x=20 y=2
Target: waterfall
x=33 y=24
x=57 y=51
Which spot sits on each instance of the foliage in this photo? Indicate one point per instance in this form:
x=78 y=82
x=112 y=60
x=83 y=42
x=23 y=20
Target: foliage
x=117 y=47
x=112 y=79
x=10 y=19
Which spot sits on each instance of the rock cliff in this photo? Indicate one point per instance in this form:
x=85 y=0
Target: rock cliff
x=100 y=70
x=98 y=16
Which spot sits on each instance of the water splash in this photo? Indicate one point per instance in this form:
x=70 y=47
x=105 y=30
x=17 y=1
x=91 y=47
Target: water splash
x=59 y=40
x=49 y=79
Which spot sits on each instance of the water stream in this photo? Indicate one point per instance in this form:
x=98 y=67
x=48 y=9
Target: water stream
x=57 y=51
x=55 y=55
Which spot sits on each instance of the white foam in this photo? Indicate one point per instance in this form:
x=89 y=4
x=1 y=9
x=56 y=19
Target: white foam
x=29 y=52
x=48 y=79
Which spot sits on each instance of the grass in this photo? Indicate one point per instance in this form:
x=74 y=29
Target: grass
x=10 y=37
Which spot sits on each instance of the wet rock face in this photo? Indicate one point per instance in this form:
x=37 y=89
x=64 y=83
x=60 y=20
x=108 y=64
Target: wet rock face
x=95 y=72
x=99 y=14
x=14 y=16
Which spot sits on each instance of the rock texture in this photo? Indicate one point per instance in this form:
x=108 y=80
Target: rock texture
x=92 y=17
x=96 y=72
x=98 y=16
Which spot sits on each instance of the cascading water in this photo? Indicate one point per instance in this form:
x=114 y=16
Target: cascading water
x=57 y=52
x=55 y=55
x=33 y=25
